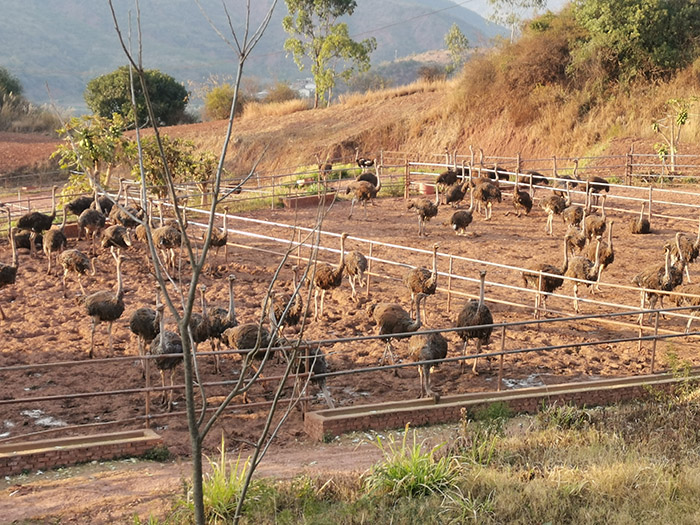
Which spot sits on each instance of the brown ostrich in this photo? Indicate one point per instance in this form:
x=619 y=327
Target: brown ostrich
x=167 y=238
x=583 y=269
x=8 y=272
x=472 y=316
x=287 y=308
x=391 y=318
x=144 y=323
x=688 y=295
x=641 y=225
x=75 y=261
x=594 y=225
x=455 y=193
x=251 y=340
x=327 y=277
x=426 y=210
x=106 y=306
x=168 y=347
x=93 y=222
x=36 y=222
x=355 y=266
x=552 y=205
x=421 y=280
x=363 y=191
x=116 y=236
x=220 y=321
x=684 y=248
x=461 y=219
x=431 y=348
x=663 y=277
x=575 y=237
x=200 y=324
x=219 y=238
x=605 y=257
x=55 y=241
x=548 y=284
x=487 y=193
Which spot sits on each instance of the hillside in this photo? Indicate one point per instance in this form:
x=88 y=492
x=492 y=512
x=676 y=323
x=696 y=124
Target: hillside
x=66 y=45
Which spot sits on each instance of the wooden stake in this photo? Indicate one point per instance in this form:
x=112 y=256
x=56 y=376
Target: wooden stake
x=147 y=371
x=449 y=286
x=369 y=266
x=653 y=343
x=500 y=361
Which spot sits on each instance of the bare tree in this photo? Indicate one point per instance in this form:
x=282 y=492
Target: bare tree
x=181 y=298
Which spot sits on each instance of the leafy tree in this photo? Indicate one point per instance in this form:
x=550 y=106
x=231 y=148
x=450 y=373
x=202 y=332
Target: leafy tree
x=457 y=44
x=217 y=102
x=91 y=147
x=628 y=39
x=111 y=93
x=317 y=36
x=280 y=92
x=9 y=84
x=508 y=12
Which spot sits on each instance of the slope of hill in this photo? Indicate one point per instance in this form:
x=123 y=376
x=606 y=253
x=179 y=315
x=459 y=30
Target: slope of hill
x=68 y=43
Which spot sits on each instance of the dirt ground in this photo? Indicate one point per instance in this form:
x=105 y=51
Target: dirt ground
x=44 y=327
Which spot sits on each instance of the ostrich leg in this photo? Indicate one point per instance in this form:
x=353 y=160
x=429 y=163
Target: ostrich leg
x=92 y=337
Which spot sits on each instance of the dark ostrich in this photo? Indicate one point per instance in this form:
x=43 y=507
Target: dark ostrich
x=663 y=277
x=106 y=306
x=355 y=267
x=220 y=321
x=583 y=270
x=319 y=365
x=168 y=349
x=391 y=318
x=55 y=241
x=487 y=193
x=36 y=222
x=426 y=210
x=116 y=236
x=552 y=205
x=461 y=219
x=431 y=348
x=93 y=222
x=8 y=272
x=327 y=277
x=594 y=225
x=250 y=339
x=421 y=280
x=474 y=314
x=79 y=205
x=363 y=162
x=363 y=191
x=75 y=261
x=548 y=284
x=455 y=193
x=219 y=238
x=641 y=225
x=144 y=323
x=684 y=248
x=522 y=201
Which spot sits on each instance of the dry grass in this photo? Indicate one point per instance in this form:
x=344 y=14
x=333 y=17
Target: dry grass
x=420 y=86
x=260 y=109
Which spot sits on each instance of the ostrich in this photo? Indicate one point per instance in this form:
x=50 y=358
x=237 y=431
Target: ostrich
x=127 y=216
x=690 y=296
x=8 y=272
x=319 y=365
x=533 y=178
x=487 y=193
x=447 y=178
x=114 y=210
x=363 y=191
x=103 y=204
x=144 y=323
x=55 y=240
x=116 y=236
x=642 y=225
x=219 y=238
x=36 y=222
x=552 y=205
x=456 y=193
x=595 y=225
x=426 y=210
x=92 y=221
x=431 y=348
x=391 y=318
x=548 y=283
x=420 y=280
x=200 y=325
x=461 y=219
x=605 y=257
x=326 y=277
x=140 y=231
x=583 y=269
x=573 y=214
x=663 y=277
x=75 y=261
x=367 y=175
x=474 y=314
x=324 y=168
x=106 y=306
x=363 y=162
x=575 y=236
x=250 y=338
x=79 y=205
x=168 y=349
x=292 y=303
x=23 y=239
x=595 y=184
x=356 y=266
x=167 y=238
x=683 y=248
x=522 y=201
x=221 y=320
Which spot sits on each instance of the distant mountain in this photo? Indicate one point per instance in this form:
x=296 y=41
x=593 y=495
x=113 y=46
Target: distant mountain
x=66 y=43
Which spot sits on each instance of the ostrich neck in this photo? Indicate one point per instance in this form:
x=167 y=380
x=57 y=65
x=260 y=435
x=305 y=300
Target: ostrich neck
x=566 y=259
x=414 y=326
x=481 y=291
x=231 y=311
x=120 y=288
x=341 y=263
x=641 y=216
x=204 y=304
x=15 y=257
x=65 y=218
x=433 y=276
x=594 y=271
x=610 y=241
x=667 y=271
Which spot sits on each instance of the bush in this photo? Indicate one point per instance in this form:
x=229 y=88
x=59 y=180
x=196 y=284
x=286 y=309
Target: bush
x=280 y=92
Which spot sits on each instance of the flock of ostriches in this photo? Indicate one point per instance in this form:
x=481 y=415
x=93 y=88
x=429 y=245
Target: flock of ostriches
x=588 y=250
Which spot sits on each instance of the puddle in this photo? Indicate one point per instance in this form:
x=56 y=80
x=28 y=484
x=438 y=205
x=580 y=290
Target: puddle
x=43 y=420
x=529 y=381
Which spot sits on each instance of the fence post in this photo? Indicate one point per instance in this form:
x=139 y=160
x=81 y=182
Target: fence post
x=406 y=181
x=653 y=343
x=628 y=167
x=650 y=202
x=298 y=231
x=518 y=163
x=500 y=363
x=449 y=286
x=147 y=371
x=369 y=266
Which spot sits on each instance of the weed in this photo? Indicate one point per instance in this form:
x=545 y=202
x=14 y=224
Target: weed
x=563 y=417
x=158 y=453
x=408 y=471
x=477 y=441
